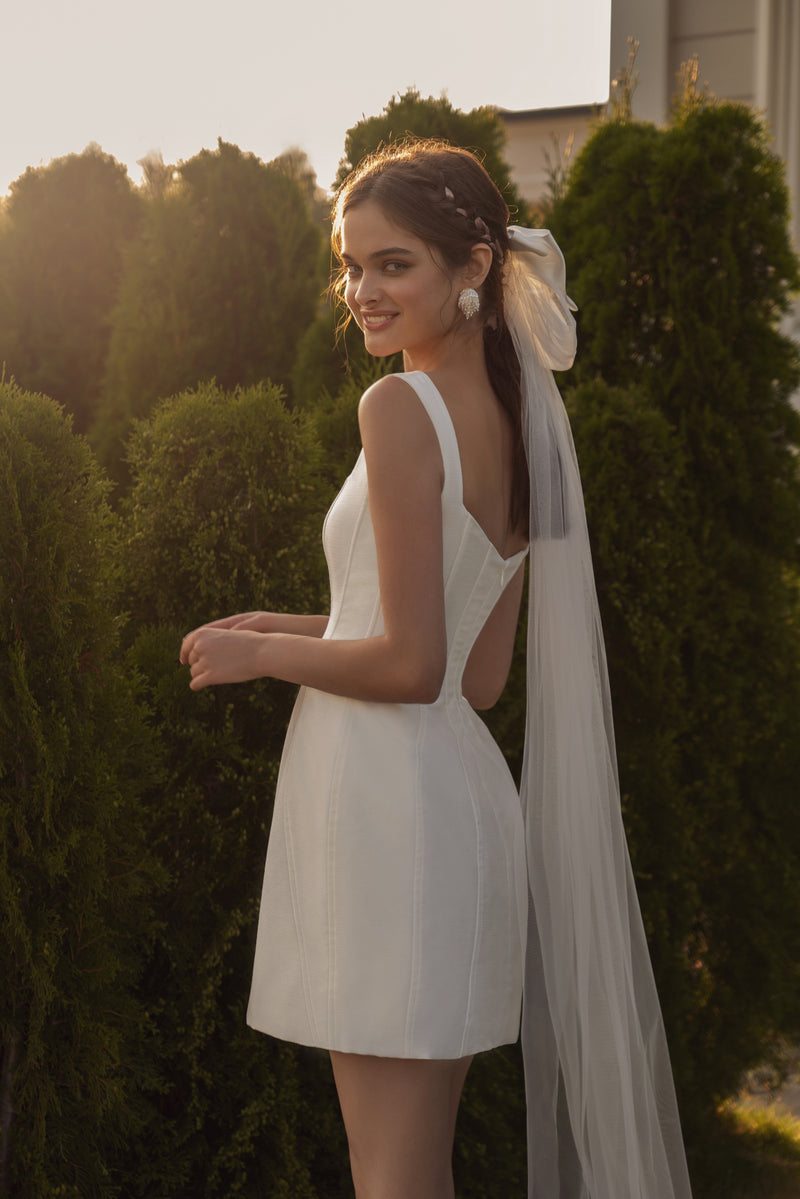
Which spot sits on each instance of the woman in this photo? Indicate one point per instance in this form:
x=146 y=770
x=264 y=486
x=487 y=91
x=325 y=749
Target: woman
x=395 y=927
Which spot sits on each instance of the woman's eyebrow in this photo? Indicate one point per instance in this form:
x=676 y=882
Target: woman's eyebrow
x=395 y=250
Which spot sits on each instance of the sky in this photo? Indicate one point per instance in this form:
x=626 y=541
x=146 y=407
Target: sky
x=174 y=75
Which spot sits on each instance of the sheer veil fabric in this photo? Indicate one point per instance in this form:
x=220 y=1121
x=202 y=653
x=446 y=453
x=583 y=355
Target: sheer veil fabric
x=602 y=1115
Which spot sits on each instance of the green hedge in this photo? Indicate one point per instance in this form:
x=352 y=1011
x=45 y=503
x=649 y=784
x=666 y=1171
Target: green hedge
x=223 y=515
x=76 y=875
x=681 y=263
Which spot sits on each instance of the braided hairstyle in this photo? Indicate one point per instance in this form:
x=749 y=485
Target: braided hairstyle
x=442 y=195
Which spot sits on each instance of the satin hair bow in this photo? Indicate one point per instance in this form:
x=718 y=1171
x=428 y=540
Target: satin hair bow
x=537 y=304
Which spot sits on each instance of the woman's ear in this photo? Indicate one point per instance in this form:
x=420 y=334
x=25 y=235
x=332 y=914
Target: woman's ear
x=479 y=265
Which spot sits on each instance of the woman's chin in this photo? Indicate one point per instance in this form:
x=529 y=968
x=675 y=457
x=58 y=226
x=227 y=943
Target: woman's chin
x=380 y=346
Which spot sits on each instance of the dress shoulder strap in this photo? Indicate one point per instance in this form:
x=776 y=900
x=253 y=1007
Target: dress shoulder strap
x=431 y=399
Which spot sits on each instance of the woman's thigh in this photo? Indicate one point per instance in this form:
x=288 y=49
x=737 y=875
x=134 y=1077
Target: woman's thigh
x=400 y=1117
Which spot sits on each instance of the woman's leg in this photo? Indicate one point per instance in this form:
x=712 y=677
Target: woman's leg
x=400 y=1119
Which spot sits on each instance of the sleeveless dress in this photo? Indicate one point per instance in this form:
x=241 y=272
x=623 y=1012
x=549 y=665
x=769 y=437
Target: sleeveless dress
x=394 y=909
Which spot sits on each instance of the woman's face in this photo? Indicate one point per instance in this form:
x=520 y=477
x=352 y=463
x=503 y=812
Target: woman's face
x=400 y=294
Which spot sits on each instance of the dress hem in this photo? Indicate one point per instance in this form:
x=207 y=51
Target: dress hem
x=312 y=1043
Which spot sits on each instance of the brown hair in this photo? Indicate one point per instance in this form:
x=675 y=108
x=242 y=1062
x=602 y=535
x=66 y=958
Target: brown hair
x=442 y=195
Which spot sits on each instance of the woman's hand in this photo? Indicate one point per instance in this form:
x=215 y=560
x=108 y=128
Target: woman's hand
x=218 y=653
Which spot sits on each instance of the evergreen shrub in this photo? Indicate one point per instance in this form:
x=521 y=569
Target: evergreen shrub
x=639 y=513
x=223 y=515
x=76 y=878
x=681 y=263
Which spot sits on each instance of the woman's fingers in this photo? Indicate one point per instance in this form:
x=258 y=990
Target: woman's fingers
x=240 y=620
x=186 y=646
x=216 y=655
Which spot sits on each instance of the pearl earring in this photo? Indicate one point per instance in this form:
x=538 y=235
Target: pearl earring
x=469 y=302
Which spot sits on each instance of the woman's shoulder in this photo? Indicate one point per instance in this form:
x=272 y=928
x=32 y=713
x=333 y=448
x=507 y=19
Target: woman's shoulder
x=392 y=399
x=391 y=415
x=386 y=389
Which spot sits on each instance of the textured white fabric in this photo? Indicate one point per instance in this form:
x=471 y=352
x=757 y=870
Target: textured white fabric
x=602 y=1115
x=393 y=916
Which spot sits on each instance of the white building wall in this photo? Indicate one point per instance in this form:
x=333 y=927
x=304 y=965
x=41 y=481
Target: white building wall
x=648 y=22
x=778 y=86
x=723 y=34
x=538 y=141
x=778 y=95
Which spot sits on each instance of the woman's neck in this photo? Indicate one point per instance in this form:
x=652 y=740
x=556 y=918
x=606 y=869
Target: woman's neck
x=462 y=353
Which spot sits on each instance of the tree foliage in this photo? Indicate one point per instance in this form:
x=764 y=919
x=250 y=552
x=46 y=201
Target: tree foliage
x=681 y=264
x=223 y=515
x=75 y=880
x=329 y=354
x=296 y=165
x=62 y=238
x=646 y=567
x=409 y=115
x=222 y=284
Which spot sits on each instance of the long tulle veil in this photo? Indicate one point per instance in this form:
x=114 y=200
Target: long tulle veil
x=602 y=1116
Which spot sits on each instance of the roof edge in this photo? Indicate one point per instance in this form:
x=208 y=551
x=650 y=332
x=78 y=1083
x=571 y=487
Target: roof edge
x=578 y=110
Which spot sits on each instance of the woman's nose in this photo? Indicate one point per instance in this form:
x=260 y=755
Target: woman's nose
x=367 y=289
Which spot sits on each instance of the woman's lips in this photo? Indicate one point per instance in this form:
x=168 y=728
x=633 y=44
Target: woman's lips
x=373 y=321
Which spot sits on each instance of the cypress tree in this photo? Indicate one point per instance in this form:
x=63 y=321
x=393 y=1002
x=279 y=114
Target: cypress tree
x=223 y=515
x=75 y=874
x=681 y=263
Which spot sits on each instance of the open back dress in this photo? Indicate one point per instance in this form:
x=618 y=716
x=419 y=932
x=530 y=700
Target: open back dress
x=393 y=914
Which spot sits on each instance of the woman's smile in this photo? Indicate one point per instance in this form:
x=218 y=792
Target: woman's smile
x=376 y=320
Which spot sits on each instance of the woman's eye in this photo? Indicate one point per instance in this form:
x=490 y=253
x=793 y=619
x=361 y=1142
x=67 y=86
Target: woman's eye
x=390 y=267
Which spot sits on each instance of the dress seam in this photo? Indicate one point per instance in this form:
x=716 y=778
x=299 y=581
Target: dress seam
x=363 y=512
x=330 y=882
x=417 y=890
x=511 y=926
x=298 y=924
x=478 y=900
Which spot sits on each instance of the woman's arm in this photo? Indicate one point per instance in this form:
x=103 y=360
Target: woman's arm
x=272 y=622
x=406 y=663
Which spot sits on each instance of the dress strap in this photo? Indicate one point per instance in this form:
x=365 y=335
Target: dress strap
x=431 y=399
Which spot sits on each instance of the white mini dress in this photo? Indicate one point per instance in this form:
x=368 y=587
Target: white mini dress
x=393 y=914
